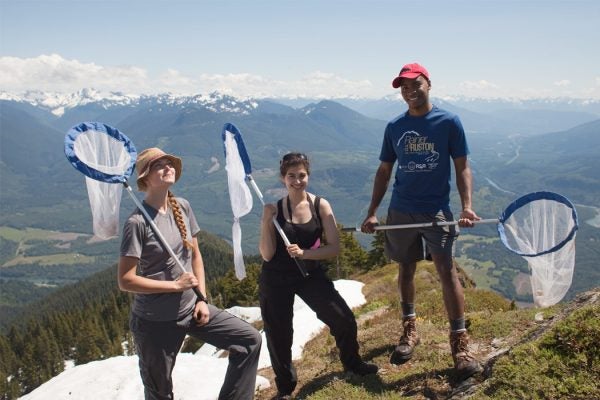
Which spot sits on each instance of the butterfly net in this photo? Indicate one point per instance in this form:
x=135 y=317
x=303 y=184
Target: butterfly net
x=542 y=228
x=239 y=195
x=106 y=160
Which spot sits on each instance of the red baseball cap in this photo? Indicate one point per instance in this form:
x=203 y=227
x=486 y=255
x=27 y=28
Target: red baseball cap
x=410 y=71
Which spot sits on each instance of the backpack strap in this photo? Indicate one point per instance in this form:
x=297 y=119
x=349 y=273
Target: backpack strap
x=314 y=209
x=317 y=211
x=280 y=210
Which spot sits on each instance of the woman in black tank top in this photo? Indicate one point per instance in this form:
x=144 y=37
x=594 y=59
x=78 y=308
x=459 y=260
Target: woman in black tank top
x=304 y=219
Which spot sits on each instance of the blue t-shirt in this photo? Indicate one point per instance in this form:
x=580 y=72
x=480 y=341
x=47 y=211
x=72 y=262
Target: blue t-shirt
x=423 y=147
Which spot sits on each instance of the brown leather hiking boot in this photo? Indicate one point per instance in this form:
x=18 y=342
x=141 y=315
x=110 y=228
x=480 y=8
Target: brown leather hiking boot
x=409 y=339
x=465 y=364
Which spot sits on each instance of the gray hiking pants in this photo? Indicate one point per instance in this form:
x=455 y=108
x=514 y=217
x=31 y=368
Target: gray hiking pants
x=158 y=342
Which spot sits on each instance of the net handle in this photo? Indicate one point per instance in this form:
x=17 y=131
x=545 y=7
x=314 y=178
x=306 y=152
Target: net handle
x=421 y=225
x=162 y=239
x=512 y=207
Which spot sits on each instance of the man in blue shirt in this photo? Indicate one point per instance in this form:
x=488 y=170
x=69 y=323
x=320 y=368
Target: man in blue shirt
x=422 y=142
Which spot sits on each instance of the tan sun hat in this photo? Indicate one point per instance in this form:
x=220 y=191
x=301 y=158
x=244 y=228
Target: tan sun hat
x=144 y=162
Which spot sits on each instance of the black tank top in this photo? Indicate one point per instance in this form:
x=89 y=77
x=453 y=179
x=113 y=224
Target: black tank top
x=306 y=235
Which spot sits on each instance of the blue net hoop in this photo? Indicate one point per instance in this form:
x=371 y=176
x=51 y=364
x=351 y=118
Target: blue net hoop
x=237 y=136
x=549 y=201
x=99 y=137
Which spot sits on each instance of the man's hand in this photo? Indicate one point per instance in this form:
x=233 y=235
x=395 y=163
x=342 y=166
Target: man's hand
x=467 y=218
x=369 y=224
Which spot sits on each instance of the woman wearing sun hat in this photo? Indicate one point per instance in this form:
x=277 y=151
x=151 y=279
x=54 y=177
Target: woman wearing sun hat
x=165 y=308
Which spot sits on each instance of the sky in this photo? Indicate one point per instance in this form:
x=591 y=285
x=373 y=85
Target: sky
x=308 y=48
x=197 y=376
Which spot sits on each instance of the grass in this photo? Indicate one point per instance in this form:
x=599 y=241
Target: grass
x=479 y=271
x=564 y=363
x=18 y=235
x=32 y=237
x=505 y=337
x=52 y=259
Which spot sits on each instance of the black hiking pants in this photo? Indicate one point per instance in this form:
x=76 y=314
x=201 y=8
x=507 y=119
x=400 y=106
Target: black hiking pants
x=158 y=343
x=277 y=291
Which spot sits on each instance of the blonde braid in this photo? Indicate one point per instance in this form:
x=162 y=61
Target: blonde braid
x=179 y=220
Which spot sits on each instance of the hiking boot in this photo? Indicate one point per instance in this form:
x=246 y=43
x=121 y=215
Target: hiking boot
x=280 y=396
x=409 y=339
x=362 y=368
x=465 y=365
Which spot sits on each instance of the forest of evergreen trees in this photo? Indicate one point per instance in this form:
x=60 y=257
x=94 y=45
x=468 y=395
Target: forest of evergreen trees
x=84 y=322
x=89 y=320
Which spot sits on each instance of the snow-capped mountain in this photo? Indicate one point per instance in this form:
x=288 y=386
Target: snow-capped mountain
x=58 y=103
x=548 y=103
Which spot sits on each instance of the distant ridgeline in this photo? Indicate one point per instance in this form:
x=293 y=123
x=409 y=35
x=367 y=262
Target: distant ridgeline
x=516 y=148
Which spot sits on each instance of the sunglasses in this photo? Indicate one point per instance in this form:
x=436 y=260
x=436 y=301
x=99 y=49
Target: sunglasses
x=294 y=157
x=161 y=164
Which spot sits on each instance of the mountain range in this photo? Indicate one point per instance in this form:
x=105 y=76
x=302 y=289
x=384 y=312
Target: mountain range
x=516 y=147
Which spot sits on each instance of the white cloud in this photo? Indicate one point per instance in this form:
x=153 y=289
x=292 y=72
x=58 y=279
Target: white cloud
x=487 y=89
x=55 y=73
x=477 y=88
x=592 y=91
x=562 y=83
x=316 y=84
x=478 y=85
x=175 y=82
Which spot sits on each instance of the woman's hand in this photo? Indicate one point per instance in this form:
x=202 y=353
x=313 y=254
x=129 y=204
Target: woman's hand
x=201 y=313
x=269 y=211
x=295 y=251
x=186 y=281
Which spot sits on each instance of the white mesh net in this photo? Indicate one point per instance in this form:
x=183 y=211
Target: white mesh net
x=105 y=199
x=536 y=230
x=240 y=197
x=107 y=155
x=102 y=152
x=551 y=275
